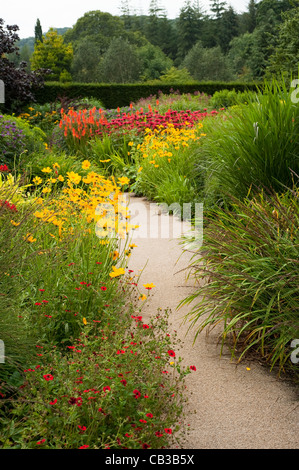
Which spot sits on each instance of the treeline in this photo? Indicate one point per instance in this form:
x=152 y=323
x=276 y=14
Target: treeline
x=221 y=45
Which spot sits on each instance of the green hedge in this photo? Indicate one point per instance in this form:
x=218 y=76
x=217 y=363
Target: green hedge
x=123 y=94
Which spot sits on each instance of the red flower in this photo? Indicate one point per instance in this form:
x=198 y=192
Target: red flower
x=168 y=430
x=159 y=434
x=37 y=303
x=171 y=353
x=145 y=446
x=192 y=367
x=145 y=326
x=41 y=442
x=106 y=388
x=83 y=428
x=103 y=288
x=48 y=377
x=4 y=168
x=136 y=393
x=149 y=415
x=84 y=447
x=142 y=421
x=124 y=382
x=53 y=402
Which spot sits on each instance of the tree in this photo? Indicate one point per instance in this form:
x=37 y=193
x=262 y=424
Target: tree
x=86 y=61
x=153 y=62
x=38 y=33
x=285 y=58
x=228 y=29
x=207 y=64
x=99 y=28
x=189 y=28
x=120 y=64
x=52 y=54
x=19 y=84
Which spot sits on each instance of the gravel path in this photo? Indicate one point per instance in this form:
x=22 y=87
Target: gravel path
x=230 y=407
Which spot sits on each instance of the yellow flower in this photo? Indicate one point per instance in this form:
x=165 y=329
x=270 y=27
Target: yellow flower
x=56 y=165
x=85 y=165
x=131 y=144
x=46 y=170
x=140 y=169
x=73 y=177
x=115 y=255
x=37 y=180
x=29 y=238
x=132 y=245
x=104 y=161
x=14 y=223
x=142 y=297
x=149 y=286
x=46 y=190
x=60 y=178
x=84 y=321
x=123 y=180
x=116 y=272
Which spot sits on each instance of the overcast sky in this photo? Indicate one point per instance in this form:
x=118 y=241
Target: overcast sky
x=61 y=13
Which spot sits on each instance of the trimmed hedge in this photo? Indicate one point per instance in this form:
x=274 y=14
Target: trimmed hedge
x=123 y=94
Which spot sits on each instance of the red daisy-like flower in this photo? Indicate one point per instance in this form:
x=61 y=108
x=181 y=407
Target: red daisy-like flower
x=149 y=415
x=103 y=288
x=82 y=428
x=53 y=402
x=136 y=393
x=85 y=446
x=168 y=430
x=171 y=353
x=41 y=442
x=159 y=434
x=124 y=382
x=106 y=388
x=48 y=377
x=142 y=421
x=192 y=367
x=145 y=446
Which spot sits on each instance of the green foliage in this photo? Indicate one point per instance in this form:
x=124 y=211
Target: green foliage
x=18 y=139
x=256 y=146
x=52 y=54
x=248 y=272
x=154 y=62
x=120 y=63
x=285 y=58
x=207 y=64
x=227 y=98
x=115 y=95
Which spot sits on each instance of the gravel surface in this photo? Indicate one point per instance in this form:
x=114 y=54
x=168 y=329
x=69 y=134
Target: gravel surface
x=229 y=406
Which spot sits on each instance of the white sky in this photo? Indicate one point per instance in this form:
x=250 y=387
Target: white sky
x=62 y=13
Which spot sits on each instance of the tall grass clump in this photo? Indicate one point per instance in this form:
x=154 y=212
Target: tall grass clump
x=255 y=146
x=248 y=274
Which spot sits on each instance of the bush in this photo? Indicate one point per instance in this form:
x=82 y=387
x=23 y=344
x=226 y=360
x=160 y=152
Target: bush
x=17 y=138
x=227 y=98
x=254 y=146
x=115 y=95
x=248 y=273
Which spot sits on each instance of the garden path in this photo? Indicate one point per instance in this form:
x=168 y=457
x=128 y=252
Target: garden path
x=230 y=406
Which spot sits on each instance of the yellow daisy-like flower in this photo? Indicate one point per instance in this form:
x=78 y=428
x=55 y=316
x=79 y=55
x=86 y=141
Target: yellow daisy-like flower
x=123 y=180
x=37 y=180
x=105 y=161
x=84 y=321
x=60 y=178
x=47 y=170
x=14 y=223
x=46 y=190
x=29 y=238
x=73 y=177
x=149 y=286
x=116 y=272
x=143 y=297
x=131 y=144
x=85 y=165
x=115 y=255
x=140 y=169
x=56 y=165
